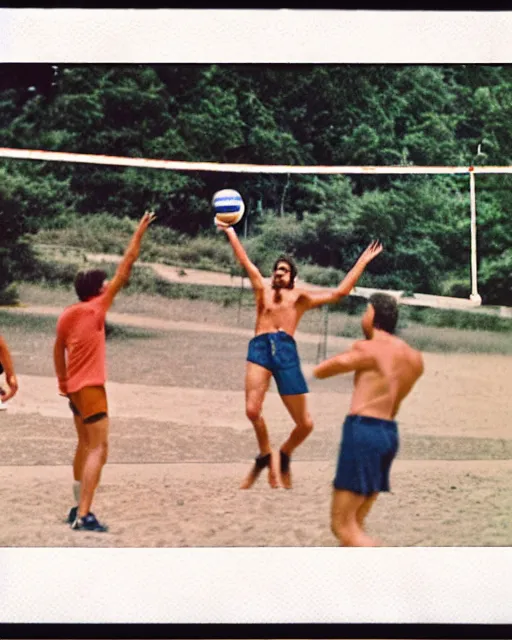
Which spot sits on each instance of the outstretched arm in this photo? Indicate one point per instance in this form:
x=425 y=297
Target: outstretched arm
x=131 y=254
x=7 y=364
x=252 y=270
x=312 y=298
x=354 y=360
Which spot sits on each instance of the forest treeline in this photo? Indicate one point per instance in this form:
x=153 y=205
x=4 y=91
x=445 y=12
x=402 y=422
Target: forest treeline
x=272 y=114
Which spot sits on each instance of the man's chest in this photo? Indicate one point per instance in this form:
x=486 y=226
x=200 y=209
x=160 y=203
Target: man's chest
x=279 y=301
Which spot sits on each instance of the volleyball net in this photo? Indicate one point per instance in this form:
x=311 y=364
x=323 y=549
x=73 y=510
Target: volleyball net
x=288 y=170
x=225 y=167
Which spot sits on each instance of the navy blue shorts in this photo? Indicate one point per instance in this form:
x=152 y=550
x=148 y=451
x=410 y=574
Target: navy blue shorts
x=277 y=352
x=368 y=448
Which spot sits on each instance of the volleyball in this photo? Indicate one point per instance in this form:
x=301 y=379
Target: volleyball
x=228 y=205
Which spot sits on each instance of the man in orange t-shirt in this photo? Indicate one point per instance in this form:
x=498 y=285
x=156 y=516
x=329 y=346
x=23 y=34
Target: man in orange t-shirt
x=79 y=358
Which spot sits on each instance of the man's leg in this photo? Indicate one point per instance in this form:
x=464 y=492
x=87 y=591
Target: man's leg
x=81 y=449
x=97 y=433
x=257 y=380
x=297 y=408
x=364 y=509
x=344 y=522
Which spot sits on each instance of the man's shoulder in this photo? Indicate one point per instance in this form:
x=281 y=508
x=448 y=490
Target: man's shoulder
x=70 y=310
x=413 y=356
x=82 y=307
x=364 y=346
x=412 y=351
x=66 y=318
x=100 y=298
x=299 y=292
x=305 y=289
x=417 y=359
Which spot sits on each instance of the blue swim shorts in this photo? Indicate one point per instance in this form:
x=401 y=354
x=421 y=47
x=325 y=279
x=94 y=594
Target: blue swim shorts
x=368 y=448
x=277 y=352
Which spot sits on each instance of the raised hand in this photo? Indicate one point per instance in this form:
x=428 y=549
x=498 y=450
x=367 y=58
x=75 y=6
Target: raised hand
x=221 y=225
x=146 y=220
x=371 y=251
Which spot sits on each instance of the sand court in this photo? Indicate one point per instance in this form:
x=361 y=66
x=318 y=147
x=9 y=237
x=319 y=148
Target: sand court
x=434 y=503
x=181 y=443
x=466 y=405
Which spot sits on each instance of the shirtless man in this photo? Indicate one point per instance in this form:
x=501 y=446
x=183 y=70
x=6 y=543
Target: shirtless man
x=82 y=374
x=386 y=369
x=273 y=352
x=7 y=367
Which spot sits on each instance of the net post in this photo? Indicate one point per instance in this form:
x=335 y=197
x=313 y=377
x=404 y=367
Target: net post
x=475 y=296
x=326 y=329
x=321 y=350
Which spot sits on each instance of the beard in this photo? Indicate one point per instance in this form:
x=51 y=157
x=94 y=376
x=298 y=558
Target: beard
x=278 y=285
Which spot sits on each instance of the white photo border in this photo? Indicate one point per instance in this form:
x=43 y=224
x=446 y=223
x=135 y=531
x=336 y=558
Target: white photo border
x=255 y=585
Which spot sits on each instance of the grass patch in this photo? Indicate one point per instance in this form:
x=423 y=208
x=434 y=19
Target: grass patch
x=161 y=244
x=453 y=340
x=438 y=339
x=123 y=332
x=144 y=280
x=27 y=323
x=32 y=323
x=425 y=328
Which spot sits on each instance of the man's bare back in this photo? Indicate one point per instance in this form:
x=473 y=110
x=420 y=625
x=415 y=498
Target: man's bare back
x=391 y=371
x=385 y=370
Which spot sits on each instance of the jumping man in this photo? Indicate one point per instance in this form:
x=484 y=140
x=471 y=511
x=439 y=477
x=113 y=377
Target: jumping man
x=82 y=374
x=386 y=369
x=273 y=352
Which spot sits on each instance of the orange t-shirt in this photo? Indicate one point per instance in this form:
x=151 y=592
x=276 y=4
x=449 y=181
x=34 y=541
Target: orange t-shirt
x=82 y=329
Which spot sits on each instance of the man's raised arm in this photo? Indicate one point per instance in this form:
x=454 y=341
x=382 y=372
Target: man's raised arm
x=130 y=256
x=317 y=298
x=252 y=270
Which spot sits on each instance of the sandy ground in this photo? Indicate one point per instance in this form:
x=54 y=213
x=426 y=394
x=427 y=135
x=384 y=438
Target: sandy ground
x=180 y=444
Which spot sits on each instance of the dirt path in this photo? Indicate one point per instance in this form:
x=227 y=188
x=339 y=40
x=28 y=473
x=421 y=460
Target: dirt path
x=171 y=325
x=212 y=278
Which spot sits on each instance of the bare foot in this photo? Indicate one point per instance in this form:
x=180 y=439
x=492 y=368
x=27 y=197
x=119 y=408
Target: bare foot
x=285 y=473
x=250 y=479
x=260 y=463
x=364 y=540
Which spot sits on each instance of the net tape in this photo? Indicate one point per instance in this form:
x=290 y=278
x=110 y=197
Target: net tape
x=179 y=165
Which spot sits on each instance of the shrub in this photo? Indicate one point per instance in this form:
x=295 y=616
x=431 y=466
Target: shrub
x=9 y=294
x=321 y=276
x=455 y=318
